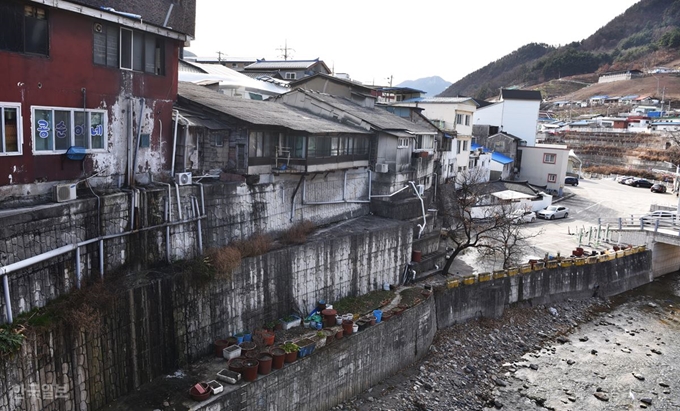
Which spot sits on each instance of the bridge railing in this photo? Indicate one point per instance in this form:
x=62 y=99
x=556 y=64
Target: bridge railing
x=642 y=222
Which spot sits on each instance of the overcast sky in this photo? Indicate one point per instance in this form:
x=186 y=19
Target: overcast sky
x=372 y=40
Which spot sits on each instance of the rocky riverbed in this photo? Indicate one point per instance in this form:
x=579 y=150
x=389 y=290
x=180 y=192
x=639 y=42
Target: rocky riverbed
x=576 y=355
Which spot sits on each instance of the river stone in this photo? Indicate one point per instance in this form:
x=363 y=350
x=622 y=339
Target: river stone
x=601 y=396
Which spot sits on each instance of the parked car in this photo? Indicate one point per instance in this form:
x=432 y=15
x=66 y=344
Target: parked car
x=664 y=218
x=641 y=182
x=553 y=212
x=658 y=188
x=523 y=216
x=622 y=179
x=573 y=181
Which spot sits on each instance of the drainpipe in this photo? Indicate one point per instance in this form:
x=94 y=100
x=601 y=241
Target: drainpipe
x=139 y=136
x=129 y=144
x=436 y=181
x=389 y=195
x=194 y=204
x=369 y=184
x=344 y=186
x=179 y=203
x=167 y=229
x=8 y=300
x=174 y=138
x=292 y=199
x=422 y=205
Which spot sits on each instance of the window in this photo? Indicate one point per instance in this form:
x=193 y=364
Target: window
x=23 y=28
x=552 y=178
x=260 y=144
x=549 y=158
x=323 y=146
x=459 y=119
x=128 y=49
x=290 y=76
x=404 y=143
x=458 y=148
x=57 y=129
x=467 y=119
x=10 y=129
x=424 y=142
x=465 y=145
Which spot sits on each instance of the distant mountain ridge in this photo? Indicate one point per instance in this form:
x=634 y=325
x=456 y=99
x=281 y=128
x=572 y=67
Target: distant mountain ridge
x=431 y=85
x=645 y=35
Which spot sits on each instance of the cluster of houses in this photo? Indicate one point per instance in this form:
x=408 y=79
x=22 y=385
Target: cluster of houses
x=126 y=109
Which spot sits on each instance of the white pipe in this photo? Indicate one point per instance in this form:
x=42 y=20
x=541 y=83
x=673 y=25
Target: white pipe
x=179 y=203
x=169 y=217
x=200 y=232
x=36 y=259
x=167 y=230
x=78 y=273
x=344 y=186
x=132 y=209
x=130 y=142
x=174 y=143
x=8 y=300
x=422 y=205
x=390 y=195
x=101 y=259
x=369 y=183
x=436 y=181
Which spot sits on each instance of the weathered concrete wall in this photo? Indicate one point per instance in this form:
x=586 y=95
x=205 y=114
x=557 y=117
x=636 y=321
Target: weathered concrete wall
x=164 y=323
x=665 y=246
x=233 y=211
x=340 y=371
x=489 y=294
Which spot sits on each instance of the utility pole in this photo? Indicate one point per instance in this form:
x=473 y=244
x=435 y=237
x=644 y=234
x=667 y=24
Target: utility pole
x=219 y=56
x=286 y=50
x=390 y=80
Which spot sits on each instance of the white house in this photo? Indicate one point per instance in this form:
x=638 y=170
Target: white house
x=516 y=113
x=452 y=115
x=545 y=165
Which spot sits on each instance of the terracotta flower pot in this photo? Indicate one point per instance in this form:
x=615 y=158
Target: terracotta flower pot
x=265 y=366
x=220 y=345
x=250 y=369
x=291 y=356
x=237 y=364
x=279 y=356
x=196 y=394
x=268 y=338
x=347 y=326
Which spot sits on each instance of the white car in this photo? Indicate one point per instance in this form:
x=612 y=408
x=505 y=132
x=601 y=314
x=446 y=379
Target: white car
x=523 y=216
x=660 y=217
x=553 y=212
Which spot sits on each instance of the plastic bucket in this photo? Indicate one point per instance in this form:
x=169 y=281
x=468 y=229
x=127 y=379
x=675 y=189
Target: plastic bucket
x=378 y=315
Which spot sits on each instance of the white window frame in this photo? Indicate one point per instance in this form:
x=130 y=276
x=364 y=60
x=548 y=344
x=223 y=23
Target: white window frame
x=548 y=156
x=467 y=119
x=552 y=178
x=20 y=131
x=291 y=75
x=459 y=119
x=105 y=124
x=404 y=142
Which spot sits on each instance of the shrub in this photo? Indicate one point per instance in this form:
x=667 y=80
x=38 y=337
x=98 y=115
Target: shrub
x=298 y=233
x=223 y=261
x=11 y=338
x=256 y=245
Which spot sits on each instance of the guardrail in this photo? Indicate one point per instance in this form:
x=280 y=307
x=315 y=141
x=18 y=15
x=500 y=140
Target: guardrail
x=642 y=222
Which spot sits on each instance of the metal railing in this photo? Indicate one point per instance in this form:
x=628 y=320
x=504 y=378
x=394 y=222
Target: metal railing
x=669 y=225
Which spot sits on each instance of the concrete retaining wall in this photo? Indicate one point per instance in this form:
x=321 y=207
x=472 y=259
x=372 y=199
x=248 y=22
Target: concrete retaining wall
x=161 y=324
x=488 y=294
x=340 y=371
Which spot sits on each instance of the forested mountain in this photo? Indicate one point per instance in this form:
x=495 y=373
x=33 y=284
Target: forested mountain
x=646 y=34
x=430 y=85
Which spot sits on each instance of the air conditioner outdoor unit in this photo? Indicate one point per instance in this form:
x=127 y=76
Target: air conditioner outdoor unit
x=421 y=189
x=64 y=192
x=183 y=179
x=381 y=168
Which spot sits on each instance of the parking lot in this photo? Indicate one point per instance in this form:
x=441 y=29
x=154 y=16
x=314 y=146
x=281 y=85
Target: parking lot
x=587 y=202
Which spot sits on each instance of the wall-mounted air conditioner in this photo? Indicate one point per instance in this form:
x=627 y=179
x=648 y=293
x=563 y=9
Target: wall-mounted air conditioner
x=382 y=168
x=421 y=189
x=64 y=192
x=183 y=179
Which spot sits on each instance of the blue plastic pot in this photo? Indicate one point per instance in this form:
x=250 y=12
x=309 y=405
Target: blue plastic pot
x=378 y=315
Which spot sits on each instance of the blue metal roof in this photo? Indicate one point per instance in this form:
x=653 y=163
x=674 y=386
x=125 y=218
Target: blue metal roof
x=598 y=97
x=497 y=157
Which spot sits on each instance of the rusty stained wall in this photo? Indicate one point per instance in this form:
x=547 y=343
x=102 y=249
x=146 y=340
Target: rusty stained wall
x=58 y=80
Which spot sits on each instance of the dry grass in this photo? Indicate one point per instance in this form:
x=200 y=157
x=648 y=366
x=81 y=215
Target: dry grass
x=256 y=245
x=298 y=233
x=223 y=260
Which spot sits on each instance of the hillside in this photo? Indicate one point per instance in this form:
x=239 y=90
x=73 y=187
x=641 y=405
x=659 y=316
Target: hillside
x=646 y=35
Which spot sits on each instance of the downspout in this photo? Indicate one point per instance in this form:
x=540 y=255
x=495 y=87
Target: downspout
x=8 y=300
x=422 y=205
x=174 y=142
x=292 y=199
x=129 y=145
x=139 y=135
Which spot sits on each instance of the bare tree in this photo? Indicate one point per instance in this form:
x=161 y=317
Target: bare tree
x=509 y=243
x=476 y=219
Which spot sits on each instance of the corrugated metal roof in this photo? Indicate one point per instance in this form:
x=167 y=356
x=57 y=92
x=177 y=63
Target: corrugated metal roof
x=442 y=100
x=267 y=113
x=497 y=157
x=377 y=117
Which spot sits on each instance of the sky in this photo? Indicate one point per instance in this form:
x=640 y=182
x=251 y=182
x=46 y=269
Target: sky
x=375 y=40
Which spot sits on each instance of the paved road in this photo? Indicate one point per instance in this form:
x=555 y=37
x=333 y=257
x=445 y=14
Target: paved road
x=591 y=199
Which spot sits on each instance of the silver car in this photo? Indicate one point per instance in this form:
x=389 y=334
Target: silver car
x=553 y=212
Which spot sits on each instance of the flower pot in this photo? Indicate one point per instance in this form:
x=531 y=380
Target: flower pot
x=200 y=392
x=338 y=320
x=355 y=328
x=248 y=347
x=372 y=320
x=361 y=325
x=306 y=323
x=347 y=326
x=232 y=351
x=237 y=364
x=228 y=376
x=220 y=345
x=386 y=316
x=247 y=336
x=278 y=358
x=290 y=322
x=291 y=356
x=306 y=347
x=339 y=334
x=215 y=387
x=378 y=315
x=265 y=366
x=239 y=338
x=250 y=369
x=268 y=338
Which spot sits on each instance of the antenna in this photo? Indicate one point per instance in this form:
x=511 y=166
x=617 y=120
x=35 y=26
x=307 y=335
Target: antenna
x=286 y=50
x=219 y=56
